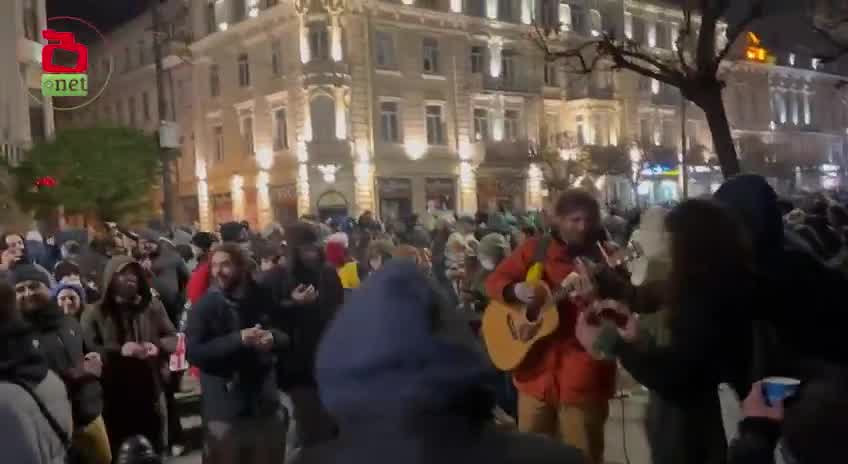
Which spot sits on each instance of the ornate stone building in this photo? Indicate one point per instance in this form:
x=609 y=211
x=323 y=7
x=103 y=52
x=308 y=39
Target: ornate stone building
x=342 y=106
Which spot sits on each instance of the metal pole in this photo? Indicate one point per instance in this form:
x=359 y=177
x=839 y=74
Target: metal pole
x=684 y=167
x=164 y=155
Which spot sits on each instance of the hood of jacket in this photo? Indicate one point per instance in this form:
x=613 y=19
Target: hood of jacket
x=115 y=265
x=755 y=202
x=20 y=360
x=396 y=349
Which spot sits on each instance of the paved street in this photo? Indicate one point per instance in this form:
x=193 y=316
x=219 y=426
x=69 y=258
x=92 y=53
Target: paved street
x=632 y=435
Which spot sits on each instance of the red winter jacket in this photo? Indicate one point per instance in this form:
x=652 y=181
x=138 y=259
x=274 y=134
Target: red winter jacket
x=198 y=283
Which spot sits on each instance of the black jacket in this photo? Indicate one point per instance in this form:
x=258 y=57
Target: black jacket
x=304 y=323
x=237 y=381
x=711 y=342
x=60 y=339
x=755 y=443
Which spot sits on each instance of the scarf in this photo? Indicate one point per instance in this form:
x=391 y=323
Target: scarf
x=20 y=360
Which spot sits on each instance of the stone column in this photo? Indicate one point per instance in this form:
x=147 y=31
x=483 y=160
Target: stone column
x=341 y=113
x=335 y=38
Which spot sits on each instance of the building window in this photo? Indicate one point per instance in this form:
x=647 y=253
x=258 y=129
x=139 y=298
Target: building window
x=628 y=25
x=639 y=30
x=214 y=80
x=581 y=131
x=579 y=20
x=281 y=131
x=238 y=10
x=385 y=50
x=243 y=70
x=564 y=17
x=435 y=126
x=218 y=137
x=511 y=125
x=141 y=53
x=508 y=66
x=595 y=25
x=481 y=124
x=247 y=134
x=127 y=59
x=319 y=44
x=389 y=127
x=276 y=58
x=211 y=23
x=30 y=13
x=131 y=109
x=430 y=55
x=477 y=57
x=322 y=111
x=145 y=106
x=505 y=11
x=551 y=75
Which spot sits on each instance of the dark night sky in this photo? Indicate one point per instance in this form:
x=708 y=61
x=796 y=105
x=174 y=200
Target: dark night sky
x=104 y=14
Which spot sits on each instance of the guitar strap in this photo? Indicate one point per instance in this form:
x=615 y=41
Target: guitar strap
x=537 y=269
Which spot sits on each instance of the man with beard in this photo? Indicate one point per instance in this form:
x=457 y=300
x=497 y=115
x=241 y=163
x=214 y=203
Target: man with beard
x=132 y=333
x=308 y=292
x=35 y=414
x=60 y=339
x=562 y=391
x=229 y=337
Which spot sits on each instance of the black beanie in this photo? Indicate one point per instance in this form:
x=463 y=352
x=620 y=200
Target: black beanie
x=299 y=234
x=231 y=232
x=25 y=272
x=203 y=240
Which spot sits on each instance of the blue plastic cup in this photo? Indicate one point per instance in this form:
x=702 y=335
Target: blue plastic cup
x=777 y=389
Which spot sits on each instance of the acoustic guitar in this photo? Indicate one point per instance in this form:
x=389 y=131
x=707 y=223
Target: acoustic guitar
x=510 y=331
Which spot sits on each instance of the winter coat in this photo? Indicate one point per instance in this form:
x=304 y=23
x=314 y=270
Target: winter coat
x=796 y=291
x=170 y=276
x=238 y=382
x=559 y=370
x=304 y=323
x=60 y=339
x=402 y=375
x=198 y=283
x=711 y=339
x=756 y=442
x=132 y=388
x=28 y=437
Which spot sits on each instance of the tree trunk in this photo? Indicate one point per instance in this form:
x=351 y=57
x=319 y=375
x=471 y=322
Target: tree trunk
x=709 y=99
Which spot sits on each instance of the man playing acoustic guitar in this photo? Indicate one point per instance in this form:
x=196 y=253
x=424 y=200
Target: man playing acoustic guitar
x=562 y=391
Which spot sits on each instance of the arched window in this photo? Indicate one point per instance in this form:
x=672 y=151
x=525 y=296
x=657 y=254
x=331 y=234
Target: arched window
x=322 y=111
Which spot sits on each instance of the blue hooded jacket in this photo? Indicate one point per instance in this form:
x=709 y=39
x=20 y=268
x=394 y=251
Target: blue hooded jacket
x=397 y=343
x=401 y=372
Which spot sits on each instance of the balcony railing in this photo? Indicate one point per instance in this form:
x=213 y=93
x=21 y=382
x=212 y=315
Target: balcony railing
x=505 y=85
x=597 y=93
x=12 y=153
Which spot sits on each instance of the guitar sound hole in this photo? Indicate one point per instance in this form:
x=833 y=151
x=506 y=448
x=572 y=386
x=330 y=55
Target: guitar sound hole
x=533 y=313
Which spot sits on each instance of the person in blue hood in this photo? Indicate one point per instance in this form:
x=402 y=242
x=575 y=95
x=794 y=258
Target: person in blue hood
x=798 y=293
x=403 y=375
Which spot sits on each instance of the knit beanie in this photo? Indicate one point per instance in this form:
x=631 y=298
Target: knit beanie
x=25 y=272
x=300 y=234
x=231 y=232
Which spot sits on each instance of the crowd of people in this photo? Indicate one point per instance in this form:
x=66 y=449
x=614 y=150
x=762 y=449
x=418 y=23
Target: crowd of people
x=353 y=341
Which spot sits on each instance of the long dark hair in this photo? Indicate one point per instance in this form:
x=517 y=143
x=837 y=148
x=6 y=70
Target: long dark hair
x=710 y=250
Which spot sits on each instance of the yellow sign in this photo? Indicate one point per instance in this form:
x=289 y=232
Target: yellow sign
x=754 y=52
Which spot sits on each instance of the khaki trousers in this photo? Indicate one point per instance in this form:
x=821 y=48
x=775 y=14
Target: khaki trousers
x=579 y=426
x=92 y=443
